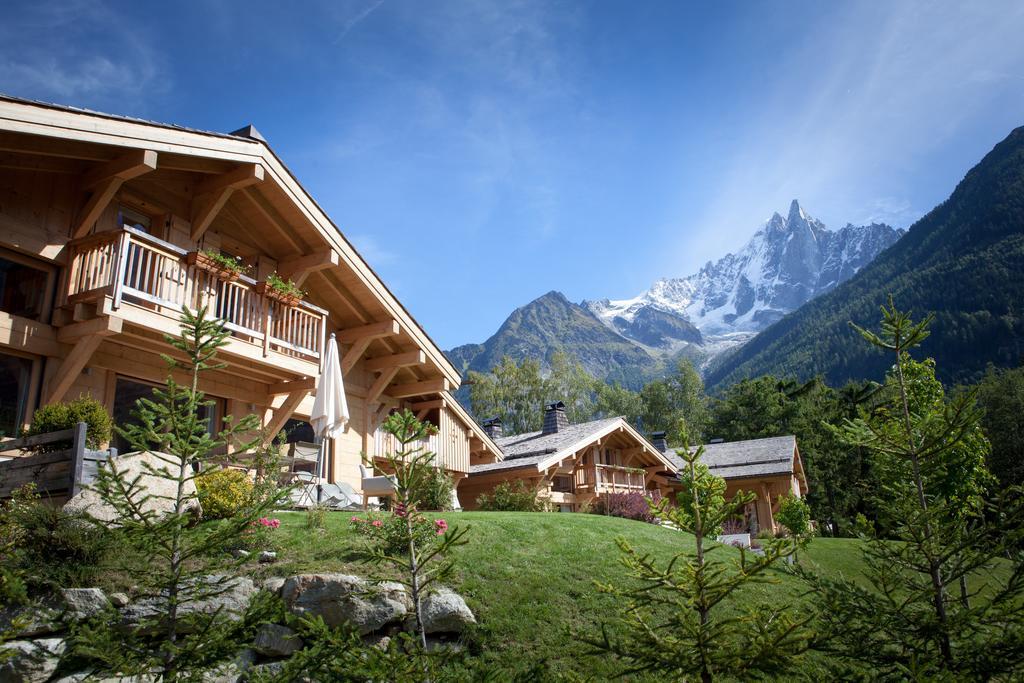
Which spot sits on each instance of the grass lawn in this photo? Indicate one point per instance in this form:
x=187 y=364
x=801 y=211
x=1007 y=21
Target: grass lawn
x=529 y=576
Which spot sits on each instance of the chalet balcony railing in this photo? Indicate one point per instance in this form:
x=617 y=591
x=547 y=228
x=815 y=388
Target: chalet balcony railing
x=137 y=268
x=610 y=479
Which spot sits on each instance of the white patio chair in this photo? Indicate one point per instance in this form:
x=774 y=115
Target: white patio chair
x=375 y=487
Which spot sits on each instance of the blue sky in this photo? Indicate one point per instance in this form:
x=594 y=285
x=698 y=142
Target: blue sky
x=480 y=154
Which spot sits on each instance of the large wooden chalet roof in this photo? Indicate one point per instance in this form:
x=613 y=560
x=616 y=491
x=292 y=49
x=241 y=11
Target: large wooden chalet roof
x=752 y=458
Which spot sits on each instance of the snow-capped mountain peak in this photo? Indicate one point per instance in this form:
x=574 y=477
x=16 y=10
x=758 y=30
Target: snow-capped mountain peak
x=787 y=262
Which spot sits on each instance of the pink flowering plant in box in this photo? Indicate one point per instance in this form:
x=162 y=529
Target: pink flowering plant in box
x=404 y=539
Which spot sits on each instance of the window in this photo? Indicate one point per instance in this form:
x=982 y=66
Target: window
x=14 y=379
x=22 y=289
x=128 y=391
x=134 y=219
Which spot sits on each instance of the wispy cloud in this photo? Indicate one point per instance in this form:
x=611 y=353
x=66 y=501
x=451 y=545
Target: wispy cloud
x=351 y=22
x=81 y=52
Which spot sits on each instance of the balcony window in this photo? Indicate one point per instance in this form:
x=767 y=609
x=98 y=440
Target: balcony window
x=14 y=380
x=22 y=289
x=127 y=216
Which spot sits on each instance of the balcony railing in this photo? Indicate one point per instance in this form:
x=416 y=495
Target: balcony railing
x=610 y=479
x=137 y=268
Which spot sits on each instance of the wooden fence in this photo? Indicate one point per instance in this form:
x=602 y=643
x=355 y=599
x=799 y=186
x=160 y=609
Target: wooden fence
x=56 y=474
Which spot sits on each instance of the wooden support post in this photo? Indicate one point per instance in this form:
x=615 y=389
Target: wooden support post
x=282 y=414
x=398 y=360
x=380 y=384
x=213 y=193
x=278 y=388
x=70 y=368
x=360 y=339
x=105 y=181
x=78 y=462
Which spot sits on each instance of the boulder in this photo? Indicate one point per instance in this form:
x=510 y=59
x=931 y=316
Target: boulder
x=119 y=599
x=341 y=599
x=27 y=621
x=233 y=671
x=131 y=465
x=273 y=640
x=30 y=661
x=444 y=611
x=273 y=585
x=268 y=556
x=83 y=603
x=232 y=601
x=393 y=590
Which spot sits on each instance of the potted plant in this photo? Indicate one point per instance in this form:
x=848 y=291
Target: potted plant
x=279 y=289
x=225 y=268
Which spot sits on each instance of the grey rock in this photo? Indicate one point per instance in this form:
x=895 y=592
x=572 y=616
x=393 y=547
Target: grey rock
x=273 y=640
x=239 y=554
x=378 y=641
x=30 y=661
x=26 y=621
x=444 y=611
x=341 y=599
x=162 y=490
x=83 y=603
x=233 y=671
x=393 y=590
x=273 y=585
x=268 y=556
x=119 y=599
x=232 y=602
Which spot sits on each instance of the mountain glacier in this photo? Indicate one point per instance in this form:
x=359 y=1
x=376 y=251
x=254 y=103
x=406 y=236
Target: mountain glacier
x=788 y=262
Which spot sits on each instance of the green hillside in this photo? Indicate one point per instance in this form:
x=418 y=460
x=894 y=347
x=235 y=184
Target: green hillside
x=964 y=261
x=529 y=576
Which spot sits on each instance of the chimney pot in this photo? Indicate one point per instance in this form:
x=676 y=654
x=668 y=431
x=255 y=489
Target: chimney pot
x=492 y=428
x=659 y=441
x=555 y=419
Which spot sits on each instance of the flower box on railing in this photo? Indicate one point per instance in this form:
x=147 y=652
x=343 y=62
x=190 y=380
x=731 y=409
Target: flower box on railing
x=203 y=261
x=264 y=289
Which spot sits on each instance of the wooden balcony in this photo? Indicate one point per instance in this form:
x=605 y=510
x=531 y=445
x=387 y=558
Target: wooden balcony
x=610 y=479
x=146 y=281
x=447 y=453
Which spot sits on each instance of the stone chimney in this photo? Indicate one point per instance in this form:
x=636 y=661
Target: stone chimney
x=555 y=419
x=492 y=428
x=659 y=441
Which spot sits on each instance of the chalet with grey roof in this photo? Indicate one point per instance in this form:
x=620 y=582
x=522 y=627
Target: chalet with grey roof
x=572 y=465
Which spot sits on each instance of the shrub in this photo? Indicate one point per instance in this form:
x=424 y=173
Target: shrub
x=390 y=532
x=630 y=506
x=48 y=546
x=316 y=517
x=435 y=490
x=795 y=515
x=65 y=415
x=259 y=535
x=223 y=493
x=733 y=526
x=511 y=496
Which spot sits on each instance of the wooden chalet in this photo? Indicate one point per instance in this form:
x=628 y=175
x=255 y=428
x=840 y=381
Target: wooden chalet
x=103 y=224
x=573 y=465
x=770 y=468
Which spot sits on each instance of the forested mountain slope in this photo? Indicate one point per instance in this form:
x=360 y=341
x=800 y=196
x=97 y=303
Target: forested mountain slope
x=964 y=261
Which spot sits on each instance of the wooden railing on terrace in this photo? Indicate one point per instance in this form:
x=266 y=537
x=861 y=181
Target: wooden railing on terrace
x=610 y=479
x=446 y=454
x=132 y=266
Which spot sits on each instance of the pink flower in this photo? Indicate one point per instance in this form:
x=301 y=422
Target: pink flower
x=400 y=510
x=378 y=523
x=442 y=526
x=355 y=519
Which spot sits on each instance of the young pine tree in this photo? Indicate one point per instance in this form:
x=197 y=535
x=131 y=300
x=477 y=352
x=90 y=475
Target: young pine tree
x=943 y=602
x=683 y=619
x=178 y=641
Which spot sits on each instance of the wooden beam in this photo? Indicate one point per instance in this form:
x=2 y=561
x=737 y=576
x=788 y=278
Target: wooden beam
x=213 y=193
x=105 y=181
x=282 y=414
x=356 y=352
x=430 y=386
x=398 y=360
x=103 y=326
x=381 y=384
x=71 y=367
x=428 y=405
x=125 y=167
x=299 y=268
x=388 y=328
x=278 y=388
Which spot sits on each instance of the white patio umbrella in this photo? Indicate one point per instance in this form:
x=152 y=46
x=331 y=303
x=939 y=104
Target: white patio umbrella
x=330 y=409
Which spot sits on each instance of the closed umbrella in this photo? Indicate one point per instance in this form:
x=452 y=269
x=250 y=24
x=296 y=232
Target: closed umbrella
x=330 y=409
